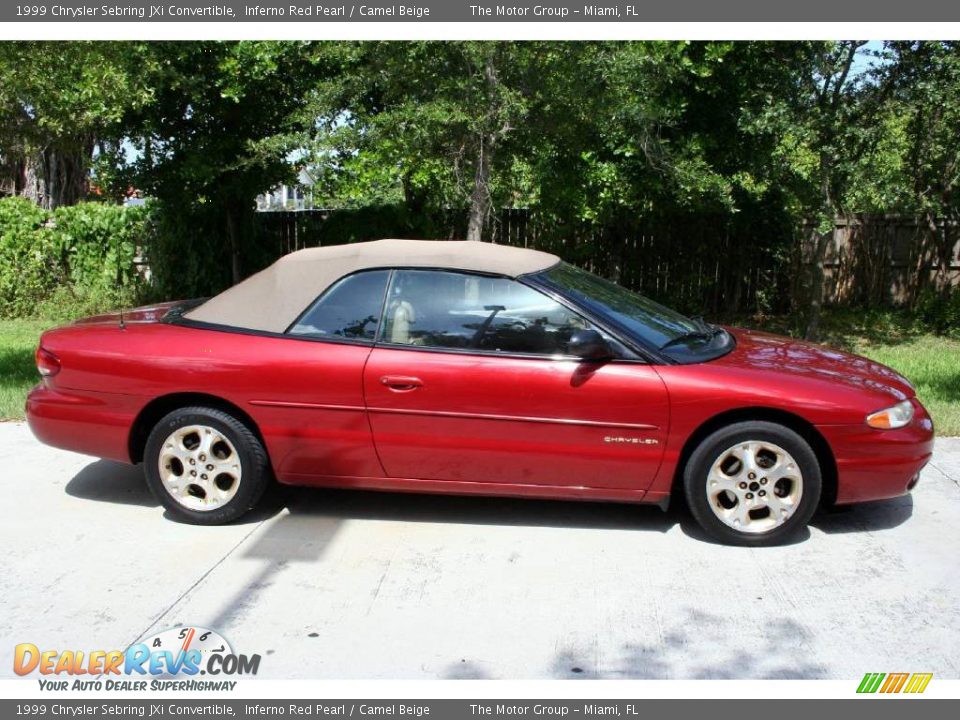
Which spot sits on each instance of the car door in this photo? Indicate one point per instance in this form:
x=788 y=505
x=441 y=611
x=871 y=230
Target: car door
x=469 y=382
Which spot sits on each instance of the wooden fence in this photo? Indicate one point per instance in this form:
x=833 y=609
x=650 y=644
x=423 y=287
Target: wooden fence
x=699 y=263
x=885 y=259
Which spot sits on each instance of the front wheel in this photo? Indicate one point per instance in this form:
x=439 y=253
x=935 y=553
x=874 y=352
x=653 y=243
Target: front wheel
x=753 y=483
x=205 y=466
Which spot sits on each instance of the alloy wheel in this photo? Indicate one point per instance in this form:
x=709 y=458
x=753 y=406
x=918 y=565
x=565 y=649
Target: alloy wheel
x=754 y=486
x=199 y=467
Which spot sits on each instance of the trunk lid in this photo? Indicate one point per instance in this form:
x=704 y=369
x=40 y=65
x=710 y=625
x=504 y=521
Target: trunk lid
x=143 y=314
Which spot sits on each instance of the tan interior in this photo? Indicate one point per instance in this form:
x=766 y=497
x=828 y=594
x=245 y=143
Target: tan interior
x=273 y=298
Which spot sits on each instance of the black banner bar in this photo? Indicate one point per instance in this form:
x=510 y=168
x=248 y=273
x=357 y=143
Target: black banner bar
x=478 y=11
x=875 y=709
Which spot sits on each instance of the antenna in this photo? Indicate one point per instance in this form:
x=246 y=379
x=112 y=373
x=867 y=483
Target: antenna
x=123 y=325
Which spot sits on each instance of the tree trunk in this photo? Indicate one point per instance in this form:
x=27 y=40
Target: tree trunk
x=817 y=274
x=20 y=177
x=64 y=176
x=480 y=196
x=944 y=248
x=486 y=148
x=233 y=236
x=32 y=182
x=821 y=242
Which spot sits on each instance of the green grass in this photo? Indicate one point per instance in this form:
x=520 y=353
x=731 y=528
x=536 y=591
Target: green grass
x=18 y=341
x=931 y=363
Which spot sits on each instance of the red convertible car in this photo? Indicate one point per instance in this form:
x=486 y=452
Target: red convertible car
x=463 y=367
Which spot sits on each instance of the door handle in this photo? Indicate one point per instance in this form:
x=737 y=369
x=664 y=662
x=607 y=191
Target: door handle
x=401 y=383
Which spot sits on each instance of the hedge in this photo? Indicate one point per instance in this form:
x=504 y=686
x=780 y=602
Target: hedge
x=74 y=259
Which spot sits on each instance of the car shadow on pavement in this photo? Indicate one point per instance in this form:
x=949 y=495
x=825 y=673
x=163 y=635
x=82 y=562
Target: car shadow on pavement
x=864 y=517
x=111 y=482
x=475 y=510
x=122 y=484
x=693 y=531
x=315 y=515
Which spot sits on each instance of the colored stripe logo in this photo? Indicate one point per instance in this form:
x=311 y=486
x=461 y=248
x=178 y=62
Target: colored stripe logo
x=894 y=682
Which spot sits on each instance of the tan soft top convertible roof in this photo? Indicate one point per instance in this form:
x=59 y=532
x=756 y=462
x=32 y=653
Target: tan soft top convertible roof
x=273 y=298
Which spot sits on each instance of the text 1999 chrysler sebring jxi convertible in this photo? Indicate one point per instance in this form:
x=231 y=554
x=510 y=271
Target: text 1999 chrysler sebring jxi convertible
x=462 y=367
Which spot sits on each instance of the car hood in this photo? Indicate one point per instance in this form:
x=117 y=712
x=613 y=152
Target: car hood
x=783 y=355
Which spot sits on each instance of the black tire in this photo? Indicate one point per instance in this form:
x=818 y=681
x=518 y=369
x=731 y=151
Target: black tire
x=710 y=450
x=255 y=473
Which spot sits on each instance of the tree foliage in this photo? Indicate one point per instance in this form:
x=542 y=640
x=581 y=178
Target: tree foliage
x=751 y=138
x=929 y=104
x=59 y=104
x=216 y=132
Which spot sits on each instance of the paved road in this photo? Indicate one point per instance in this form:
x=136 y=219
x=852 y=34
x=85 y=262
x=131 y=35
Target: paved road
x=364 y=585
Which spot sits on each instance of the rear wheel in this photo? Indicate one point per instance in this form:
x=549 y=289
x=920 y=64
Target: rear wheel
x=205 y=466
x=753 y=483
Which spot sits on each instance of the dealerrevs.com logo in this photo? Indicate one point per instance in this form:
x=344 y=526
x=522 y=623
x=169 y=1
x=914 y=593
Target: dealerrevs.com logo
x=887 y=683
x=170 y=660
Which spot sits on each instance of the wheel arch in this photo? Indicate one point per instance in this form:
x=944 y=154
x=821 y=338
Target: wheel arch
x=154 y=410
x=801 y=426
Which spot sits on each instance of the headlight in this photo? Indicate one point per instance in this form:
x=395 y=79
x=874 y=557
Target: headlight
x=893 y=417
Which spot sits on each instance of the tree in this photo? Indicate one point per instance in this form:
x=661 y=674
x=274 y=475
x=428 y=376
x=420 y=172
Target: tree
x=480 y=124
x=434 y=120
x=929 y=100
x=826 y=126
x=58 y=101
x=220 y=125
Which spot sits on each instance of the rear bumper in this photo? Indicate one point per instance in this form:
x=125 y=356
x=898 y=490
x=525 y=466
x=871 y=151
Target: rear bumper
x=879 y=464
x=95 y=424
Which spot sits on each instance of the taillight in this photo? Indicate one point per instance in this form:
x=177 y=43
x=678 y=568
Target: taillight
x=47 y=363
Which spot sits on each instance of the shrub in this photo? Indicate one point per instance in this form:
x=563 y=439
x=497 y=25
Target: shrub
x=940 y=310
x=29 y=267
x=76 y=260
x=98 y=244
x=187 y=252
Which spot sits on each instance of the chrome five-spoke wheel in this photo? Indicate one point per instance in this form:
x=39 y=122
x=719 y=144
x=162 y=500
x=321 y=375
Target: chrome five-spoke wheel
x=754 y=486
x=200 y=467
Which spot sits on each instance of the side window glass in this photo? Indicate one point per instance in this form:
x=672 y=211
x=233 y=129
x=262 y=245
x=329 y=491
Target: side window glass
x=432 y=308
x=349 y=310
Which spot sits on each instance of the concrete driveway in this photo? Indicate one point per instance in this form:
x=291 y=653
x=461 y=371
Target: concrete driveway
x=362 y=585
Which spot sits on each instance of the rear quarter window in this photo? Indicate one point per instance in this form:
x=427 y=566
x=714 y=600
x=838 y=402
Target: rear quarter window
x=349 y=310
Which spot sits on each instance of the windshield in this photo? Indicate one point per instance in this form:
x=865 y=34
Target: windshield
x=657 y=327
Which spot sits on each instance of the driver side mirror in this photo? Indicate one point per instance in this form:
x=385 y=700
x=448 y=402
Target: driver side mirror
x=589 y=345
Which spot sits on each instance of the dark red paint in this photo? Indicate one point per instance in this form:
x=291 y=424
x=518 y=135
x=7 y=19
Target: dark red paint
x=416 y=420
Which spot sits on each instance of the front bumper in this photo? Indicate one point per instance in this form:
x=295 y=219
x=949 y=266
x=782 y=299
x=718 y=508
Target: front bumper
x=879 y=464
